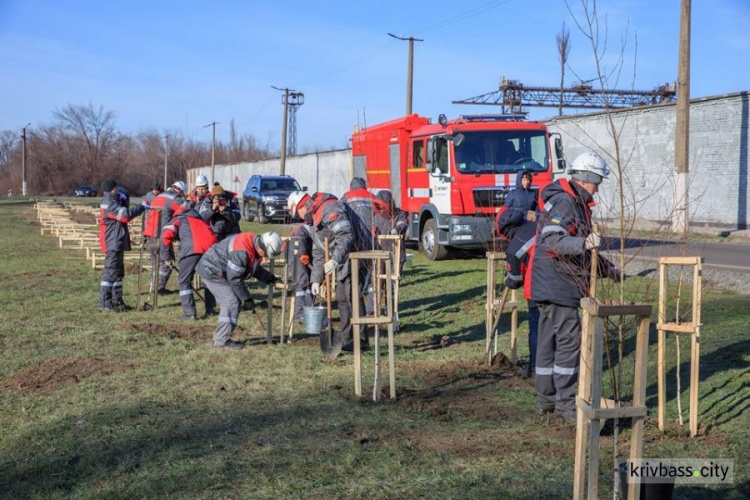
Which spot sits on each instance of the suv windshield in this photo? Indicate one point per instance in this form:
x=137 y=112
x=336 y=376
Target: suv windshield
x=502 y=152
x=279 y=185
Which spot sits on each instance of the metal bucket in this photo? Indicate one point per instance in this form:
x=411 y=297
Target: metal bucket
x=407 y=260
x=314 y=319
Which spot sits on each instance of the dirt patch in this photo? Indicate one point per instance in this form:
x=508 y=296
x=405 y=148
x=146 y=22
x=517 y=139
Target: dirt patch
x=56 y=372
x=82 y=218
x=434 y=342
x=192 y=333
x=131 y=268
x=306 y=340
x=435 y=373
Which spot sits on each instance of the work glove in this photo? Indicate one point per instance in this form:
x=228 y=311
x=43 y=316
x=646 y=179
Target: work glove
x=315 y=289
x=394 y=231
x=273 y=279
x=592 y=241
x=248 y=305
x=330 y=266
x=170 y=264
x=305 y=259
x=531 y=215
x=145 y=204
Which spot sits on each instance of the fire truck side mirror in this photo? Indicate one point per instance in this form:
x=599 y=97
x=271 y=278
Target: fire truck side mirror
x=559 y=155
x=430 y=163
x=457 y=139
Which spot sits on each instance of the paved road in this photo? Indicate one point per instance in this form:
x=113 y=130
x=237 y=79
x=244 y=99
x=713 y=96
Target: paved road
x=725 y=256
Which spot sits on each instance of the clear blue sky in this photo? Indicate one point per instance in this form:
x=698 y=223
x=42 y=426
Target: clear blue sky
x=179 y=65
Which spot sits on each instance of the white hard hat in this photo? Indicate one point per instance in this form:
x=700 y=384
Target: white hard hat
x=202 y=180
x=589 y=163
x=181 y=186
x=270 y=243
x=294 y=199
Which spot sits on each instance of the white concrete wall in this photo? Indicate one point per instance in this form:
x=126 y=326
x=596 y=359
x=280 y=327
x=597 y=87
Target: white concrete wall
x=718 y=165
x=327 y=171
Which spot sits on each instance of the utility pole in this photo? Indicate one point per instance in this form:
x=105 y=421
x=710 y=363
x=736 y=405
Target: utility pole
x=410 y=71
x=293 y=98
x=213 y=150
x=24 y=191
x=682 y=126
x=166 y=159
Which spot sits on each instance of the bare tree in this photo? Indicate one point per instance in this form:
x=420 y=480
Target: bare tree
x=96 y=128
x=563 y=49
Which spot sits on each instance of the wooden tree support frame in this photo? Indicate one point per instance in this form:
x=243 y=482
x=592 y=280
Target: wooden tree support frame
x=592 y=409
x=692 y=328
x=380 y=259
x=397 y=243
x=494 y=309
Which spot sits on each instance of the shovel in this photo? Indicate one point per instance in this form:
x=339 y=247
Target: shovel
x=330 y=341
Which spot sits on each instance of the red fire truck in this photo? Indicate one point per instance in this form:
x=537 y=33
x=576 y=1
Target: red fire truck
x=452 y=176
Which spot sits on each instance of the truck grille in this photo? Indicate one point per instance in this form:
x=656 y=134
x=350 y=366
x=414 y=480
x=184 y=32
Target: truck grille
x=490 y=196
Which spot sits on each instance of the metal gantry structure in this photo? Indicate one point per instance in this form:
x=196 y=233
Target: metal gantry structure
x=513 y=96
x=294 y=100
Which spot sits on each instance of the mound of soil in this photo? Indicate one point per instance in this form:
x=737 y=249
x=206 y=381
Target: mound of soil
x=192 y=333
x=56 y=372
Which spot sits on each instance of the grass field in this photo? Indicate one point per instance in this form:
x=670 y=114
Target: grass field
x=139 y=405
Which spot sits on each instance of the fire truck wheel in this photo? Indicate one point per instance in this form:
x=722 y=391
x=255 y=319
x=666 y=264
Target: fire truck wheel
x=428 y=242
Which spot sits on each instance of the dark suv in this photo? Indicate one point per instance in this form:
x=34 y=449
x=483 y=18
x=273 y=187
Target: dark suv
x=264 y=198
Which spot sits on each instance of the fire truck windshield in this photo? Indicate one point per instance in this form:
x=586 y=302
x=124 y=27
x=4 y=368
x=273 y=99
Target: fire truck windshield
x=493 y=152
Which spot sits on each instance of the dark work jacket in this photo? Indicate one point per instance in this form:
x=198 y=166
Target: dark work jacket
x=517 y=254
x=194 y=233
x=224 y=224
x=362 y=206
x=114 y=217
x=560 y=266
x=513 y=212
x=331 y=219
x=171 y=204
x=234 y=260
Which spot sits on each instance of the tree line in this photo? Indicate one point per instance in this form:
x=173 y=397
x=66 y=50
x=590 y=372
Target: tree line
x=81 y=145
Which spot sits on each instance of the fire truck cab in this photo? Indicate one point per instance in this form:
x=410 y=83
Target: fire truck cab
x=452 y=176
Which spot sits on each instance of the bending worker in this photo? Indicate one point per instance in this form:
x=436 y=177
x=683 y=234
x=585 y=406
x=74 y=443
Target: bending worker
x=224 y=269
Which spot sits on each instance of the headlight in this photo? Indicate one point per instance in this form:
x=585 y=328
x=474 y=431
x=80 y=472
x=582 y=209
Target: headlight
x=461 y=228
x=269 y=199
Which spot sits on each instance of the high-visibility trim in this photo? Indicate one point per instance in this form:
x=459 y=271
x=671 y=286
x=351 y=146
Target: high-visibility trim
x=340 y=225
x=515 y=277
x=548 y=206
x=525 y=248
x=105 y=283
x=414 y=170
x=378 y=171
x=170 y=228
x=300 y=293
x=234 y=267
x=227 y=319
x=116 y=283
x=186 y=292
x=553 y=229
x=564 y=371
x=543 y=370
x=104 y=206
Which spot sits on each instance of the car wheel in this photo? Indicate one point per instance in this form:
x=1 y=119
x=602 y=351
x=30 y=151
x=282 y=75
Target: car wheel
x=428 y=242
x=248 y=214
x=262 y=215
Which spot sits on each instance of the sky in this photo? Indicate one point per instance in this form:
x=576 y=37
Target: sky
x=180 y=65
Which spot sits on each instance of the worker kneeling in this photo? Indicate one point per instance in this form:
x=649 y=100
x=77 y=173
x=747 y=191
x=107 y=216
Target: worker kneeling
x=224 y=269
